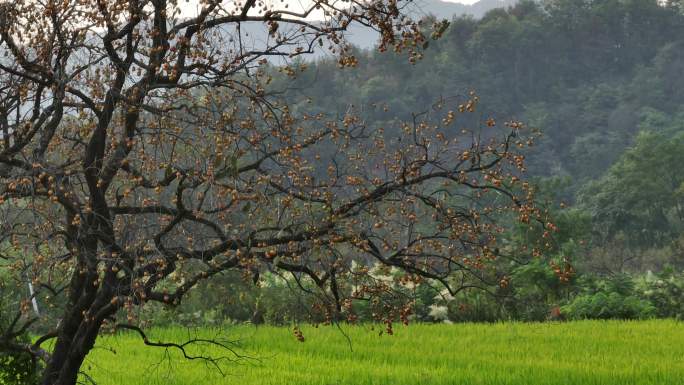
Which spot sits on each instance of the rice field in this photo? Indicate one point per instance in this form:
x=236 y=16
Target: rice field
x=580 y=353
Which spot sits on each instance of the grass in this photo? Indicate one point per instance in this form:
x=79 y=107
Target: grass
x=581 y=353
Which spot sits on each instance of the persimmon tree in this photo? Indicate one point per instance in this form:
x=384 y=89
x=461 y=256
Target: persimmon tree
x=143 y=152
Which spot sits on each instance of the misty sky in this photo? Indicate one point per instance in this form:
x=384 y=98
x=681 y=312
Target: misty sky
x=190 y=7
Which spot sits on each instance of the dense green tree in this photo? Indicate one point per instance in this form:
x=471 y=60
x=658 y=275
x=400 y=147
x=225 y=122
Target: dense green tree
x=641 y=195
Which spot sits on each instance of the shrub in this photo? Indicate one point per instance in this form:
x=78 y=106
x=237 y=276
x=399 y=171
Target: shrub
x=609 y=298
x=16 y=369
x=665 y=291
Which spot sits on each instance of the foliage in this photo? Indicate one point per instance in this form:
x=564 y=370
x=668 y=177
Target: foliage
x=16 y=367
x=601 y=79
x=533 y=292
x=609 y=298
x=641 y=194
x=585 y=72
x=664 y=291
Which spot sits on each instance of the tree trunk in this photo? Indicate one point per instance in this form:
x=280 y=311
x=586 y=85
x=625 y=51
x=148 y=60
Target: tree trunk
x=69 y=354
x=89 y=306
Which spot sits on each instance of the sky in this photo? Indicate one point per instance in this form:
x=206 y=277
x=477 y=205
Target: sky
x=190 y=7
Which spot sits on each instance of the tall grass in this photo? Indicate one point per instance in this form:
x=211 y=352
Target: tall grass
x=582 y=353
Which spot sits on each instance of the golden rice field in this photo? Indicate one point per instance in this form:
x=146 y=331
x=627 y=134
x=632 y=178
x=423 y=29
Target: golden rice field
x=578 y=353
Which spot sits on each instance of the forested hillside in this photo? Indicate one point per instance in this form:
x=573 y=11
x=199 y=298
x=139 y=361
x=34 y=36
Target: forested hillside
x=366 y=38
x=601 y=79
x=591 y=74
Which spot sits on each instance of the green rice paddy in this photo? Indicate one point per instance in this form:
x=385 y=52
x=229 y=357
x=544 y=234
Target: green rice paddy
x=581 y=353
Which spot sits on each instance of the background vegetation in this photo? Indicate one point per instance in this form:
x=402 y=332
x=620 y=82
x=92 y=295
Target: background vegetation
x=601 y=80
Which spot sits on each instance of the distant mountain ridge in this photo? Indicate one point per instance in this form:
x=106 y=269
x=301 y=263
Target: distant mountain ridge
x=447 y=9
x=364 y=38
